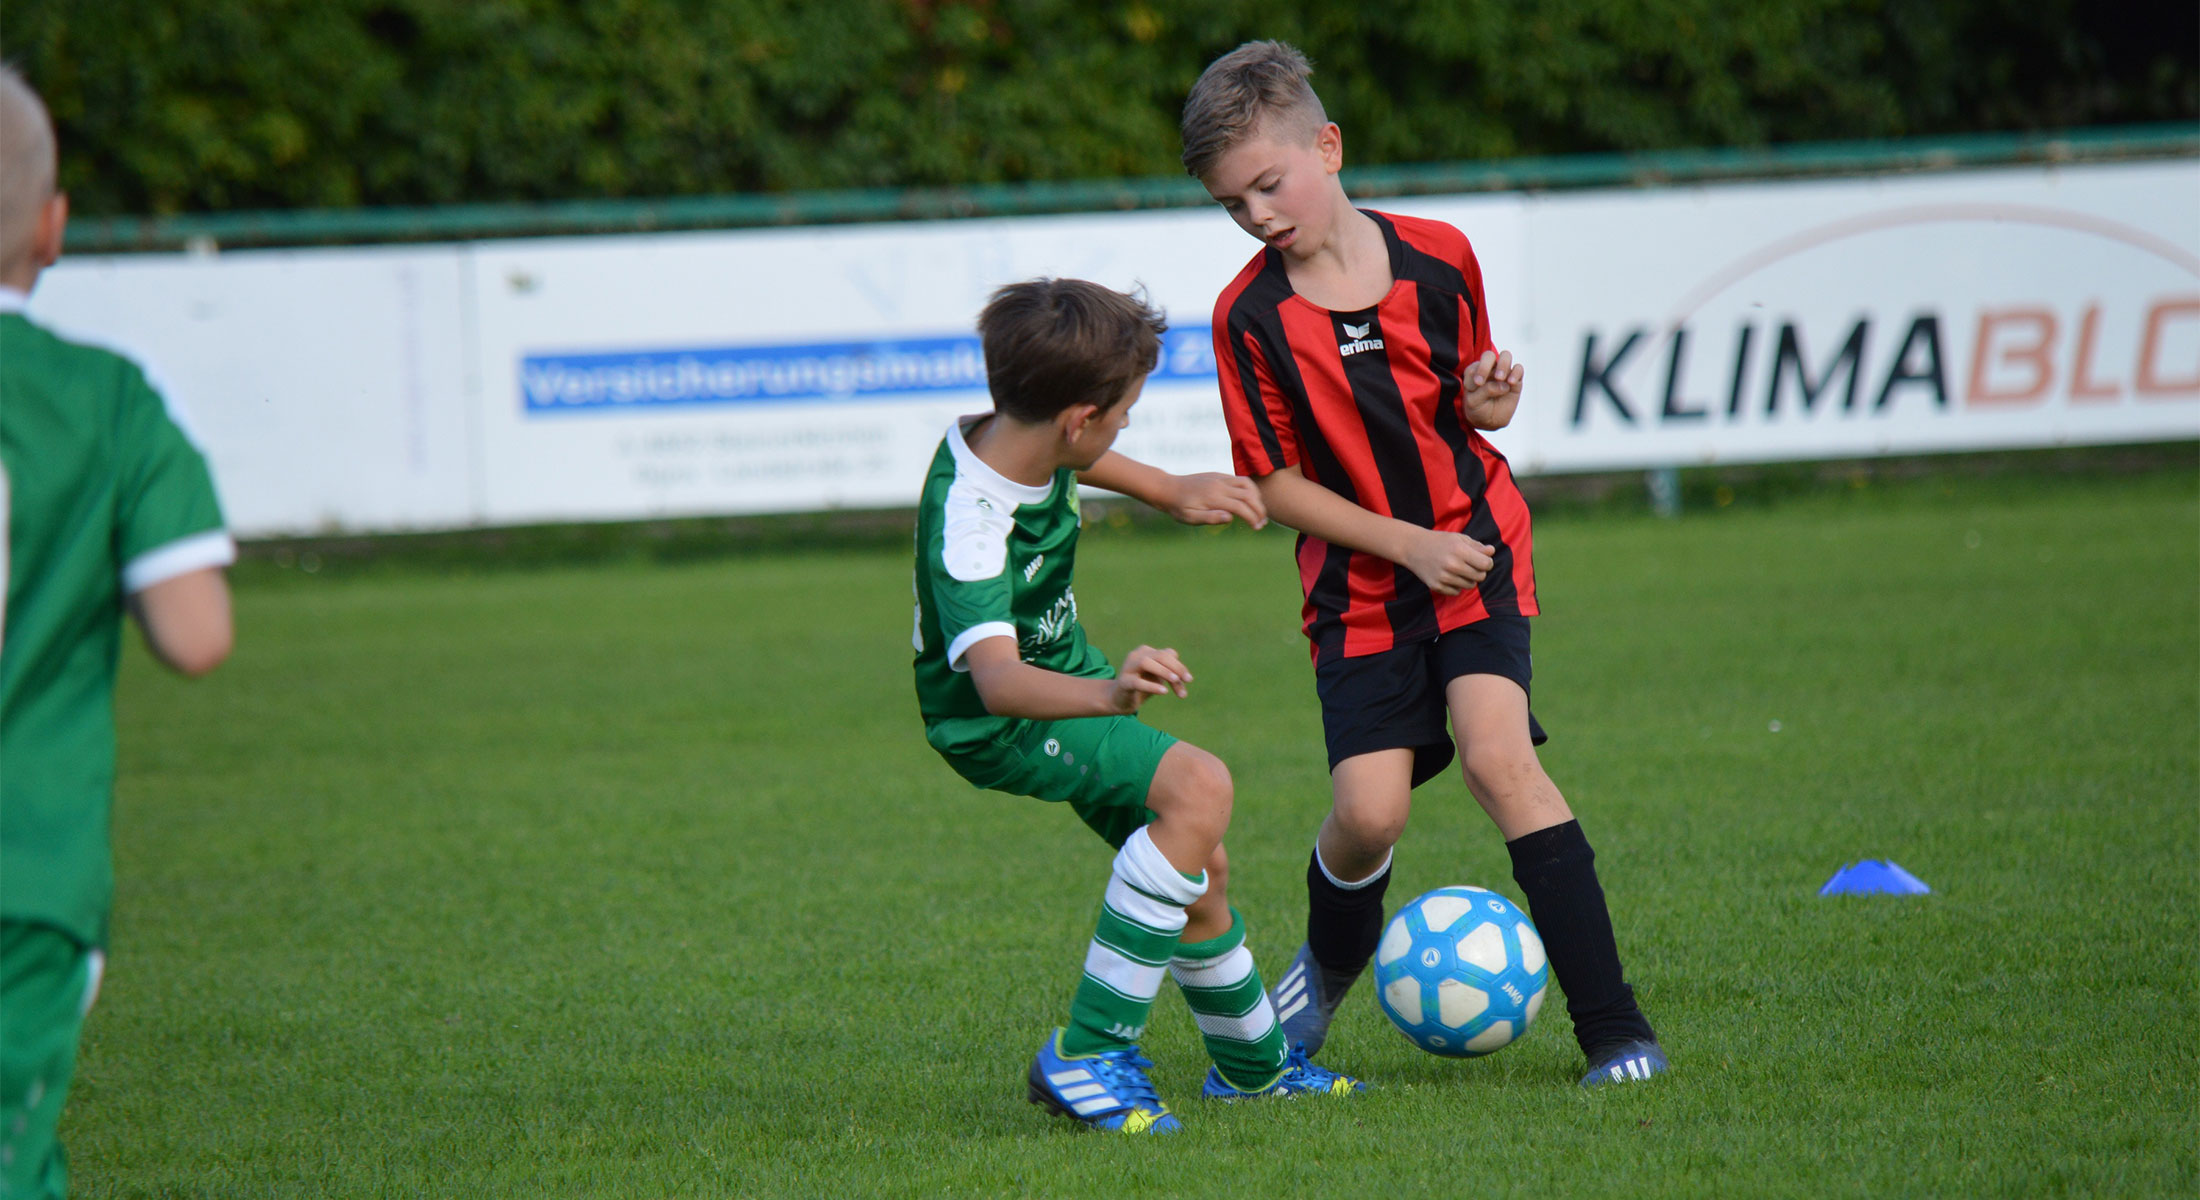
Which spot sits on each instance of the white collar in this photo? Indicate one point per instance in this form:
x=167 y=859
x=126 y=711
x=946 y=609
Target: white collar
x=12 y=300
x=968 y=463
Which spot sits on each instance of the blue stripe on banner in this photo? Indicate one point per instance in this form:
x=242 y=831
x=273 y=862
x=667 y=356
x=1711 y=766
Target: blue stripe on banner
x=801 y=373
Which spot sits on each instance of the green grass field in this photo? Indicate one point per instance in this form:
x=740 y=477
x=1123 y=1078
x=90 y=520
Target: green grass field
x=636 y=880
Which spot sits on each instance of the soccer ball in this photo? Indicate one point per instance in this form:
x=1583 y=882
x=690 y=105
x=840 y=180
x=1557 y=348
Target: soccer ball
x=1460 y=972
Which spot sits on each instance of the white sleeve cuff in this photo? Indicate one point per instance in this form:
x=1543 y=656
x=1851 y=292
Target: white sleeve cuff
x=162 y=563
x=971 y=637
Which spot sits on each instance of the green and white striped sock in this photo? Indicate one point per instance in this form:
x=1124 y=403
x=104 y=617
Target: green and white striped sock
x=1236 y=1021
x=1139 y=924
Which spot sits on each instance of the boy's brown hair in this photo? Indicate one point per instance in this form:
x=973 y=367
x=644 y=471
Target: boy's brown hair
x=1053 y=344
x=1240 y=94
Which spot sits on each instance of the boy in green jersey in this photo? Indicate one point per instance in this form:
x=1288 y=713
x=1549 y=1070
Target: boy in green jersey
x=104 y=504
x=1016 y=700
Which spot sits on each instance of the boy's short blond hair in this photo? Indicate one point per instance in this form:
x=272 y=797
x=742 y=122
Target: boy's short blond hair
x=1258 y=87
x=27 y=166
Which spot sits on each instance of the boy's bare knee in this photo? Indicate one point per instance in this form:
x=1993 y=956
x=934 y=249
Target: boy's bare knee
x=1372 y=794
x=1499 y=773
x=1513 y=789
x=1190 y=798
x=1371 y=825
x=1193 y=780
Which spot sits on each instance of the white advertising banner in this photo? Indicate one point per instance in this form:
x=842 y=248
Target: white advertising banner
x=330 y=388
x=621 y=377
x=808 y=369
x=2030 y=307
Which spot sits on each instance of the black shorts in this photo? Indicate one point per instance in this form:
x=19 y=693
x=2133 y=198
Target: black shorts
x=1395 y=699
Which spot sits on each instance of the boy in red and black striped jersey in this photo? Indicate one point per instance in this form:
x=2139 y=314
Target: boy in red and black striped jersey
x=1357 y=377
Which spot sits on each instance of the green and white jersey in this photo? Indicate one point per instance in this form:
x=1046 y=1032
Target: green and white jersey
x=105 y=496
x=994 y=559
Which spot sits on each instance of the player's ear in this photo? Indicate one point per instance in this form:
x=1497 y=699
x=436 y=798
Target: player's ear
x=1329 y=143
x=53 y=222
x=1074 y=420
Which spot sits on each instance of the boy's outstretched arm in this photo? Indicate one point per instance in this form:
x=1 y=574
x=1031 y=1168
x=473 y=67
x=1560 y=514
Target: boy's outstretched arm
x=1207 y=498
x=1012 y=687
x=1448 y=563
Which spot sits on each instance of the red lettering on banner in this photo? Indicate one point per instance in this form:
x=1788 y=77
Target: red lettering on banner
x=2038 y=354
x=2082 y=386
x=2150 y=381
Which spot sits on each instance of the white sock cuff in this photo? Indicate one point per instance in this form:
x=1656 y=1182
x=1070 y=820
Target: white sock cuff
x=1354 y=886
x=1227 y=969
x=1142 y=865
x=1135 y=906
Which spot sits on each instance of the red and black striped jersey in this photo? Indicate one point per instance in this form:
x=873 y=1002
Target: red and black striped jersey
x=1366 y=404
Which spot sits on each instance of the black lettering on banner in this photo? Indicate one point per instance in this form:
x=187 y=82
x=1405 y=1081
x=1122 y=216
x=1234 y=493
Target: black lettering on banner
x=1601 y=376
x=1791 y=354
x=1673 y=410
x=1741 y=371
x=1926 y=330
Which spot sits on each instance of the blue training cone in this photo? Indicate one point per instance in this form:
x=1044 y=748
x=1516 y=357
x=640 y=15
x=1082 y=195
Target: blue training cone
x=1874 y=877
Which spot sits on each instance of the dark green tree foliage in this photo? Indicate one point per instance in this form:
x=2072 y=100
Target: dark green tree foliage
x=190 y=105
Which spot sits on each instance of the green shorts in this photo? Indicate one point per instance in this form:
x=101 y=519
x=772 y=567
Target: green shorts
x=47 y=981
x=1100 y=766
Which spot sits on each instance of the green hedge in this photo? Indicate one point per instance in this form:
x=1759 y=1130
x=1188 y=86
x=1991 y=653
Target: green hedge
x=204 y=105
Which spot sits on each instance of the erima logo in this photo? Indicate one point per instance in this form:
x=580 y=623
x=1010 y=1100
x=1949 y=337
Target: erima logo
x=1360 y=341
x=1031 y=568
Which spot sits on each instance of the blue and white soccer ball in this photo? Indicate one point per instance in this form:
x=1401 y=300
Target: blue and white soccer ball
x=1460 y=972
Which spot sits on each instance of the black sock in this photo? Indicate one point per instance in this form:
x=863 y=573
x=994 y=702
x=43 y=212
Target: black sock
x=1343 y=924
x=1557 y=871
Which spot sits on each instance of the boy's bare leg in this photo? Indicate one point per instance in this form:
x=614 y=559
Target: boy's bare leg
x=1191 y=798
x=1372 y=794
x=1209 y=916
x=1552 y=863
x=1489 y=717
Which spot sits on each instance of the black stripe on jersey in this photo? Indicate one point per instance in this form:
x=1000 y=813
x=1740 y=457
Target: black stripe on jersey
x=1412 y=611
x=1440 y=328
x=1443 y=293
x=1331 y=594
x=1417 y=266
x=1499 y=596
x=1440 y=332
x=1266 y=290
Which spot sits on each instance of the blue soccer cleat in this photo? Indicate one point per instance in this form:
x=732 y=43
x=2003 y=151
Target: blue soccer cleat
x=1106 y=1091
x=1627 y=1063
x=1300 y=1077
x=1306 y=997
